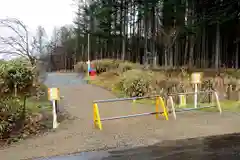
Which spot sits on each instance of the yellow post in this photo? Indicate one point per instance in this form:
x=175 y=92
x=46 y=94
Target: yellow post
x=134 y=105
x=164 y=107
x=157 y=107
x=96 y=117
x=182 y=100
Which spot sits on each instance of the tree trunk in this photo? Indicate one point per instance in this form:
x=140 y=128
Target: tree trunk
x=217 y=54
x=237 y=55
x=122 y=23
x=203 y=53
x=145 y=33
x=176 y=58
x=186 y=51
x=191 y=58
x=154 y=37
x=166 y=57
x=170 y=57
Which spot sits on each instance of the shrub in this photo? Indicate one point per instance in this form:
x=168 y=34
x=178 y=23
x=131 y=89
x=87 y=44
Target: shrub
x=136 y=82
x=18 y=120
x=16 y=74
x=80 y=67
x=39 y=92
x=100 y=65
x=125 y=66
x=14 y=118
x=11 y=113
x=233 y=73
x=105 y=65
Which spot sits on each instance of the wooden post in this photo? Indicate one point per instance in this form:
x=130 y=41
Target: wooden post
x=196 y=79
x=53 y=96
x=15 y=90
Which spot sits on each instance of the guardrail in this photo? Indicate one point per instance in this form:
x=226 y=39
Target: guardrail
x=98 y=120
x=159 y=102
x=174 y=110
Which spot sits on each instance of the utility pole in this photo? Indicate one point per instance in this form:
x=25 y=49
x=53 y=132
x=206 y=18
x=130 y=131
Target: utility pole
x=88 y=47
x=88 y=37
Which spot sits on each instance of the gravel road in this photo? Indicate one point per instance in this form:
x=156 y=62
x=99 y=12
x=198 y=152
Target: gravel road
x=79 y=134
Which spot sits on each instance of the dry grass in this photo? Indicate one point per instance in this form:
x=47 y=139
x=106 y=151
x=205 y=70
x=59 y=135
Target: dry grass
x=106 y=80
x=161 y=79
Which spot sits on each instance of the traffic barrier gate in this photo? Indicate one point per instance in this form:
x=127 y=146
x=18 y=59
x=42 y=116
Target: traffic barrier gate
x=98 y=120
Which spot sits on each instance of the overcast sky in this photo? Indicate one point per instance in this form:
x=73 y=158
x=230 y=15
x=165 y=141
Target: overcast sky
x=47 y=13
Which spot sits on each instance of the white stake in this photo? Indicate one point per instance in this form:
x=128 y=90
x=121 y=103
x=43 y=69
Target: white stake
x=218 y=103
x=173 y=108
x=195 y=95
x=55 y=123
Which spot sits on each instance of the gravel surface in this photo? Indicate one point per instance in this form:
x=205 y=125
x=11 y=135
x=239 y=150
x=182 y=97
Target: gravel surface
x=79 y=134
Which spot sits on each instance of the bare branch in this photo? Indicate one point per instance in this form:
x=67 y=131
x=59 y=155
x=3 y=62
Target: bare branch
x=11 y=41
x=6 y=23
x=8 y=43
x=16 y=45
x=13 y=44
x=7 y=52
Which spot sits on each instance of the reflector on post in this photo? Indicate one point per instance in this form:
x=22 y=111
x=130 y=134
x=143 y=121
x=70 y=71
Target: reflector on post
x=182 y=100
x=157 y=107
x=161 y=101
x=96 y=117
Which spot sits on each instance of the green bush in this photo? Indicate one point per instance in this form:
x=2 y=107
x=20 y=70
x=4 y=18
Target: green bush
x=105 y=65
x=15 y=75
x=40 y=92
x=100 y=65
x=80 y=67
x=136 y=82
x=18 y=80
x=125 y=66
x=233 y=73
x=11 y=116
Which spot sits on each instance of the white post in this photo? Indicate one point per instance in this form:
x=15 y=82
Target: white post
x=89 y=67
x=173 y=108
x=55 y=124
x=195 y=95
x=218 y=103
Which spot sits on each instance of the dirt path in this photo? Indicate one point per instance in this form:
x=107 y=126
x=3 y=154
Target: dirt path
x=79 y=134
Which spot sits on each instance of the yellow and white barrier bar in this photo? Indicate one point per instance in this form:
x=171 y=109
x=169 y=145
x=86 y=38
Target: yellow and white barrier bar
x=98 y=121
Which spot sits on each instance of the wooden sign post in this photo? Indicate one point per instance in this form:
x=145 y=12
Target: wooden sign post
x=53 y=95
x=196 y=78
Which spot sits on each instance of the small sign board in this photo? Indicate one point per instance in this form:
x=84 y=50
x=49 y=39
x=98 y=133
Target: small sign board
x=196 y=78
x=53 y=94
